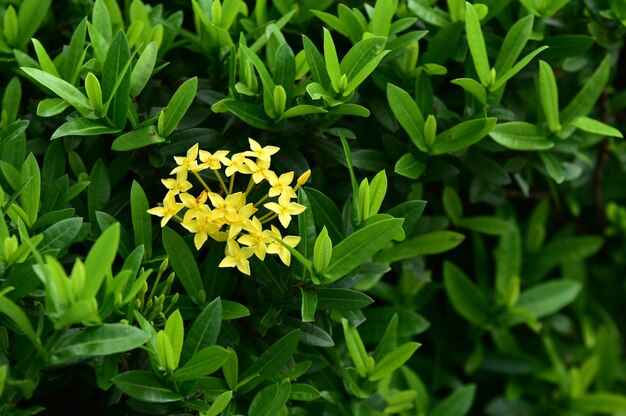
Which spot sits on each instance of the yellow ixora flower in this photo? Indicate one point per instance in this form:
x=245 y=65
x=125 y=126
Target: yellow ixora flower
x=237 y=257
x=261 y=153
x=187 y=162
x=285 y=209
x=229 y=215
x=168 y=210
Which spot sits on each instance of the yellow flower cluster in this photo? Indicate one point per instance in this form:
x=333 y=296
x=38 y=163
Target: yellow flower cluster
x=227 y=215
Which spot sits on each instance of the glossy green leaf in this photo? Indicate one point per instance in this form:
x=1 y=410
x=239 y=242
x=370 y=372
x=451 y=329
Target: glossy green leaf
x=393 y=360
x=146 y=387
x=322 y=251
x=513 y=44
x=503 y=78
x=361 y=245
x=309 y=305
x=472 y=87
x=519 y=135
x=452 y=204
x=553 y=166
x=486 y=225
x=326 y=214
x=136 y=139
x=51 y=107
x=63 y=89
x=332 y=61
x=547 y=298
x=178 y=105
x=408 y=114
x=142 y=70
x=142 y=223
x=31 y=192
x=30 y=16
x=274 y=357
x=204 y=362
x=409 y=167
x=270 y=400
x=100 y=259
x=476 y=43
x=548 y=93
x=81 y=126
x=184 y=264
x=204 y=330
x=341 y=299
x=596 y=127
x=458 y=403
x=462 y=135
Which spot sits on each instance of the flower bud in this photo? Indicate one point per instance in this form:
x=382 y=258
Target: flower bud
x=11 y=27
x=430 y=131
x=280 y=100
x=94 y=92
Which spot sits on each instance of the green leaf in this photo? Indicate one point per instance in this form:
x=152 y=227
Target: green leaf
x=332 y=61
x=306 y=226
x=409 y=167
x=553 y=166
x=60 y=235
x=322 y=251
x=184 y=264
x=360 y=246
x=309 y=305
x=81 y=126
x=361 y=60
x=317 y=66
x=596 y=127
x=270 y=400
x=204 y=330
x=549 y=95
x=472 y=87
x=63 y=89
x=303 y=392
x=44 y=60
x=145 y=386
x=300 y=110
x=219 y=404
x=476 y=44
x=175 y=331
x=341 y=299
x=233 y=310
x=435 y=242
x=355 y=347
x=393 y=360
x=19 y=318
x=519 y=135
x=513 y=44
x=13 y=131
x=142 y=223
x=74 y=55
x=250 y=114
x=516 y=68
x=452 y=204
x=486 y=225
x=116 y=81
x=599 y=402
x=408 y=114
x=31 y=192
x=547 y=298
x=458 y=403
x=142 y=71
x=378 y=190
x=30 y=16
x=274 y=357
x=462 y=135
x=178 y=105
x=100 y=259
x=326 y=213
x=97 y=340
x=466 y=298
x=383 y=15
x=567 y=249
x=51 y=107
x=204 y=362
x=136 y=139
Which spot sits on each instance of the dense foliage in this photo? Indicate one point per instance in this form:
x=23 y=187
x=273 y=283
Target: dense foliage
x=332 y=185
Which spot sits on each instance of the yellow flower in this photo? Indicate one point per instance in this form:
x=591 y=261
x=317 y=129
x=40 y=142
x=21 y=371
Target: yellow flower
x=195 y=206
x=236 y=224
x=285 y=209
x=260 y=170
x=186 y=162
x=280 y=185
x=168 y=210
x=256 y=238
x=228 y=207
x=202 y=226
x=180 y=184
x=261 y=153
x=238 y=163
x=237 y=257
x=277 y=248
x=212 y=160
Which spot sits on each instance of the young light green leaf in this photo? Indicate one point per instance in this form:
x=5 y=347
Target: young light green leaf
x=50 y=107
x=548 y=93
x=596 y=127
x=203 y=363
x=547 y=298
x=409 y=167
x=219 y=404
x=44 y=60
x=81 y=126
x=63 y=89
x=100 y=259
x=355 y=347
x=332 y=61
x=29 y=18
x=143 y=69
x=31 y=192
x=322 y=251
x=472 y=87
x=136 y=139
x=502 y=79
x=116 y=81
x=513 y=44
x=476 y=43
x=316 y=62
x=393 y=360
x=175 y=330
